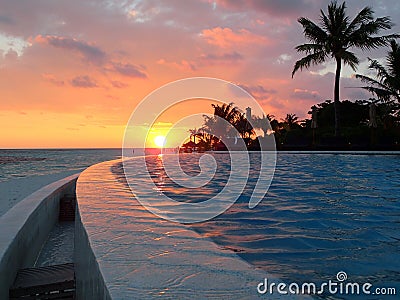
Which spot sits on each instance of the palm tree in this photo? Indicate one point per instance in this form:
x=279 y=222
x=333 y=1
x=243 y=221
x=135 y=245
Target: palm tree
x=335 y=36
x=194 y=133
x=226 y=111
x=386 y=86
x=243 y=126
x=215 y=125
x=291 y=121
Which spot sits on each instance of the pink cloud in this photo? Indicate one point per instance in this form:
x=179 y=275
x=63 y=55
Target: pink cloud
x=183 y=65
x=88 y=51
x=129 y=70
x=118 y=84
x=226 y=37
x=6 y=20
x=204 y=60
x=271 y=7
x=306 y=94
x=259 y=92
x=221 y=59
x=93 y=54
x=83 y=82
x=52 y=79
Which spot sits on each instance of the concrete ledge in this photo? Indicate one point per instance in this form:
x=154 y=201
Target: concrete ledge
x=90 y=283
x=26 y=226
x=125 y=252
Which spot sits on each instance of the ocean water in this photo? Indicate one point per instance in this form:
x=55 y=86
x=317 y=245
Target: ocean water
x=31 y=162
x=323 y=214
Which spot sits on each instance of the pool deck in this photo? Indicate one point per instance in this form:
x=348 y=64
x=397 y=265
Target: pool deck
x=125 y=252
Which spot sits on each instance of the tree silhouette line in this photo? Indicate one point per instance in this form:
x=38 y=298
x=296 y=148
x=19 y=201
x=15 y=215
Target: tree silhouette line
x=359 y=124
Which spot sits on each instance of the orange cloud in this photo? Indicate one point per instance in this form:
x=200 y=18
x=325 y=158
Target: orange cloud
x=226 y=37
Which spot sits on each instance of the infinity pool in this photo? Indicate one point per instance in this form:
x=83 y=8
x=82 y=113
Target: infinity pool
x=324 y=213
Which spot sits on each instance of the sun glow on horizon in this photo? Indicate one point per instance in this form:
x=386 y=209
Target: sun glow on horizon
x=159 y=141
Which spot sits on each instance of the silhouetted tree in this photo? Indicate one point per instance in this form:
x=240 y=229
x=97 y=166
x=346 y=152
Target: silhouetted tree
x=243 y=126
x=335 y=36
x=193 y=133
x=291 y=121
x=215 y=125
x=386 y=85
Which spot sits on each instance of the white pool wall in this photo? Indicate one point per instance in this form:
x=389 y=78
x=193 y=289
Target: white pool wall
x=26 y=226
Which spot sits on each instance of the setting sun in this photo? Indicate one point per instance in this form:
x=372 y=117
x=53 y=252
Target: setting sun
x=159 y=141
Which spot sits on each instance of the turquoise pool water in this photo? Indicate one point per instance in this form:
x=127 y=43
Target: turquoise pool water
x=324 y=213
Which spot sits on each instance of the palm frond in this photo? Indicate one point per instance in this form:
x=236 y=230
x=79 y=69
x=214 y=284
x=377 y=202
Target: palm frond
x=370 y=80
x=311 y=59
x=309 y=48
x=350 y=59
x=363 y=37
x=337 y=18
x=374 y=26
x=386 y=84
x=393 y=59
x=325 y=21
x=380 y=93
x=364 y=16
x=312 y=31
x=380 y=70
x=365 y=42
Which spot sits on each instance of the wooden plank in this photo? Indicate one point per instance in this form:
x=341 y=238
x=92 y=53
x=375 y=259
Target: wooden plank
x=50 y=282
x=70 y=295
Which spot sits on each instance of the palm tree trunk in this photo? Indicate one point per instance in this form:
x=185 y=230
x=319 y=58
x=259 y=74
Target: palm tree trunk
x=337 y=95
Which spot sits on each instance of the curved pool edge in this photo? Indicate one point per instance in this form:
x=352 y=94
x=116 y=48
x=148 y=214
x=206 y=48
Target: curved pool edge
x=125 y=252
x=25 y=227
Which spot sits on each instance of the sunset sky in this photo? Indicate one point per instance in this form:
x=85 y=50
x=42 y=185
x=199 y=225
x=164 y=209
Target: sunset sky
x=72 y=72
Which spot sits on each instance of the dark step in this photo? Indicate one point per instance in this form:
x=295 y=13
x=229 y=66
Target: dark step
x=67 y=208
x=51 y=282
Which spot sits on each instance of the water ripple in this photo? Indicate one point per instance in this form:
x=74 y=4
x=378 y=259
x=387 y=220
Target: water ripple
x=322 y=214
